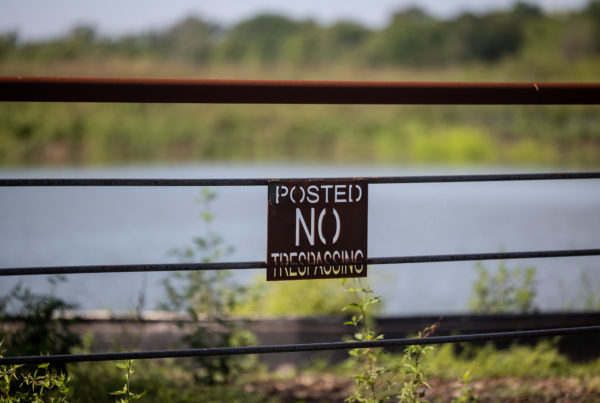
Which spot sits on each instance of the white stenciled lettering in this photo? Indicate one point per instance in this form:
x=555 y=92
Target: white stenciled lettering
x=301 y=258
x=303 y=194
x=330 y=263
x=338 y=226
x=359 y=267
x=360 y=193
x=275 y=257
x=313 y=195
x=298 y=193
x=336 y=259
x=284 y=192
x=321 y=237
x=340 y=193
x=326 y=187
x=300 y=221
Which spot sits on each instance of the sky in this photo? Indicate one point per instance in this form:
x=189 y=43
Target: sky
x=40 y=19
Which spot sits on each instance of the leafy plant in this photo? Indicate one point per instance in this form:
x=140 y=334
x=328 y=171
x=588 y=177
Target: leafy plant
x=19 y=384
x=412 y=374
x=467 y=393
x=372 y=384
x=125 y=394
x=375 y=381
x=40 y=329
x=508 y=290
x=209 y=298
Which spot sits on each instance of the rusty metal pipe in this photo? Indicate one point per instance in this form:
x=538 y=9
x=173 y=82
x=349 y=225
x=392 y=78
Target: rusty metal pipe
x=72 y=89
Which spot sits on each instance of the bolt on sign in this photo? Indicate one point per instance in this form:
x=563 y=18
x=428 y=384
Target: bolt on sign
x=317 y=229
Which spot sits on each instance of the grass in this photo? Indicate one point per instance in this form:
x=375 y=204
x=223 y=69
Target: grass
x=37 y=133
x=542 y=360
x=514 y=372
x=163 y=380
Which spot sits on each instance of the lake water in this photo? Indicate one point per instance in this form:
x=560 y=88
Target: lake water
x=111 y=225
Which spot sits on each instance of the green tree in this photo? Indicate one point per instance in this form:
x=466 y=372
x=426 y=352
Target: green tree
x=592 y=12
x=412 y=38
x=8 y=43
x=190 y=39
x=260 y=39
x=491 y=36
x=344 y=39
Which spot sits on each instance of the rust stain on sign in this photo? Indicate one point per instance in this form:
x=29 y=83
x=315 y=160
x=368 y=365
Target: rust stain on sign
x=317 y=229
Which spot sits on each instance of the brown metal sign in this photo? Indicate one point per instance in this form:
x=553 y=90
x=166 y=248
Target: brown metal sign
x=317 y=229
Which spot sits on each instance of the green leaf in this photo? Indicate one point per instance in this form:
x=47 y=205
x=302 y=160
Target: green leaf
x=120 y=392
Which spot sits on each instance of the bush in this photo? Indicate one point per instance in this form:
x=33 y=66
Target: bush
x=506 y=291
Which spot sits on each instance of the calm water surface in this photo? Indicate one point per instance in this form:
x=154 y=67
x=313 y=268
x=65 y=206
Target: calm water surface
x=103 y=225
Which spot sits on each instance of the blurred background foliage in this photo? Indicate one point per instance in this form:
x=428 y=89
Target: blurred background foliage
x=295 y=299
x=522 y=43
x=411 y=37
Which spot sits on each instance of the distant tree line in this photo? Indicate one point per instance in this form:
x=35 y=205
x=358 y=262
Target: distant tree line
x=412 y=37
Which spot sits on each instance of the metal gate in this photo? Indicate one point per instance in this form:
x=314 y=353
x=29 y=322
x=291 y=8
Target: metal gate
x=52 y=89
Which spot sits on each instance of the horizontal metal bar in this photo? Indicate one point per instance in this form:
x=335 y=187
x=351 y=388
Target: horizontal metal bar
x=483 y=256
x=264 y=182
x=291 y=348
x=27 y=271
x=128 y=268
x=133 y=182
x=76 y=89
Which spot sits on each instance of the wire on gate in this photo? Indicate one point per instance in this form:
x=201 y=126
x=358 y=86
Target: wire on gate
x=290 y=348
x=265 y=181
x=27 y=271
